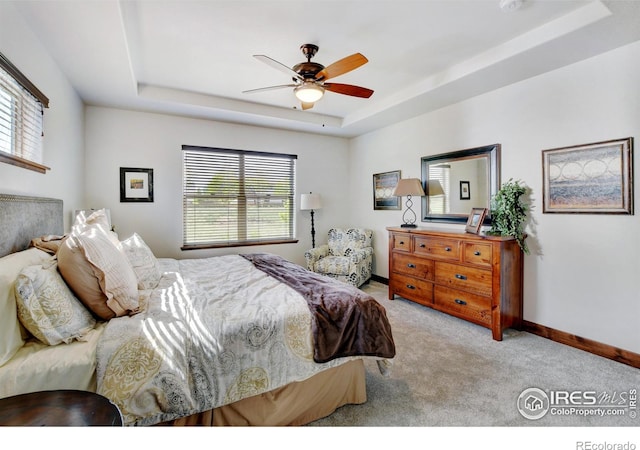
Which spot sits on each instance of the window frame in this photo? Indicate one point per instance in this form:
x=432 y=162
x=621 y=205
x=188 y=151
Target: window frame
x=29 y=89
x=242 y=199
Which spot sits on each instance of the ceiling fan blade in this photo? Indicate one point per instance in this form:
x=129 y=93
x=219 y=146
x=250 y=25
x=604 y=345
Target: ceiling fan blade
x=278 y=65
x=348 y=89
x=269 y=88
x=342 y=66
x=306 y=106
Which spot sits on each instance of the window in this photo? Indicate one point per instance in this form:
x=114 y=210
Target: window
x=439 y=204
x=21 y=119
x=237 y=197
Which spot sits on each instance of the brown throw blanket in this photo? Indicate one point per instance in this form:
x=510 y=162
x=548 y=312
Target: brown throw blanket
x=347 y=322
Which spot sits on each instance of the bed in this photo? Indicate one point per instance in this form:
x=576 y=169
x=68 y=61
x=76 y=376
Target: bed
x=231 y=340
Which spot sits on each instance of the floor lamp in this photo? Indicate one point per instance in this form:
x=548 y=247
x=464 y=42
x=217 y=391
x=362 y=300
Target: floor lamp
x=409 y=187
x=310 y=202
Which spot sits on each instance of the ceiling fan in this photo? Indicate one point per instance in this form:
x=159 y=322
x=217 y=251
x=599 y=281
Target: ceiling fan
x=309 y=78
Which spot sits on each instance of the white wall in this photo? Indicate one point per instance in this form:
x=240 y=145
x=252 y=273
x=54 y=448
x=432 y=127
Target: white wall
x=63 y=120
x=118 y=138
x=583 y=276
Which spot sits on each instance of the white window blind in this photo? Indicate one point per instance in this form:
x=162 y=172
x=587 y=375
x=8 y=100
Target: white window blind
x=439 y=204
x=21 y=118
x=237 y=197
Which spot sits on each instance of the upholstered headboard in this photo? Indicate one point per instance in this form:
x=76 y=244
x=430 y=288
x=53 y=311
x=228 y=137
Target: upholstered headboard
x=24 y=218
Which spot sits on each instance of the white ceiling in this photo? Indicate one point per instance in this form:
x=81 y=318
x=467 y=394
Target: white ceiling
x=194 y=58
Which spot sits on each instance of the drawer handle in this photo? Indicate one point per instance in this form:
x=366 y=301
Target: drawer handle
x=460 y=302
x=410 y=286
x=422 y=246
x=411 y=266
x=401 y=242
x=461 y=277
x=447 y=249
x=477 y=253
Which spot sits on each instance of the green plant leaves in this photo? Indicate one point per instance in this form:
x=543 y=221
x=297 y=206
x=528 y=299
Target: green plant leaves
x=508 y=212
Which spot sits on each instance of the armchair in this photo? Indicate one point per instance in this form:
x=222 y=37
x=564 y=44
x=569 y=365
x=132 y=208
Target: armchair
x=348 y=256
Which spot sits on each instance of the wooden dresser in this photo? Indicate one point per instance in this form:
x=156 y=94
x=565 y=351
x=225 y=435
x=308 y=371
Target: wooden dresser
x=474 y=277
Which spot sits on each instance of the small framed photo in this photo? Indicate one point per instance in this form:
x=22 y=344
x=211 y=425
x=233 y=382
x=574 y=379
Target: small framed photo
x=136 y=185
x=476 y=217
x=465 y=190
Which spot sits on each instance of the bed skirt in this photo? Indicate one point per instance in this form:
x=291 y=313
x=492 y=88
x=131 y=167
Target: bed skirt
x=295 y=404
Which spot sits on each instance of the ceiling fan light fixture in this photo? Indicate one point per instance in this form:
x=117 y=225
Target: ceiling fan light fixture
x=309 y=92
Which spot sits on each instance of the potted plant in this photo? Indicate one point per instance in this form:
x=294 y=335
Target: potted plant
x=508 y=212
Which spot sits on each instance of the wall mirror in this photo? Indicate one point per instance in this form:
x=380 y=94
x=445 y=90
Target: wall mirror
x=458 y=181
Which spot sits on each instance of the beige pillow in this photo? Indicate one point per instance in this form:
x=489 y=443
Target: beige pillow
x=10 y=266
x=48 y=308
x=144 y=263
x=93 y=264
x=80 y=277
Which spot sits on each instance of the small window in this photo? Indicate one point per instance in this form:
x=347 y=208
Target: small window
x=21 y=119
x=237 y=197
x=439 y=204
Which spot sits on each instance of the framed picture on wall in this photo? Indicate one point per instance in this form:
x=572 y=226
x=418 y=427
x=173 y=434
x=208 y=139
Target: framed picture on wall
x=465 y=190
x=136 y=185
x=383 y=187
x=590 y=178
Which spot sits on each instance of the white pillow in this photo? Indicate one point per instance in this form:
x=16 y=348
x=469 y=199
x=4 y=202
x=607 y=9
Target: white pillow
x=48 y=308
x=10 y=266
x=145 y=265
x=104 y=260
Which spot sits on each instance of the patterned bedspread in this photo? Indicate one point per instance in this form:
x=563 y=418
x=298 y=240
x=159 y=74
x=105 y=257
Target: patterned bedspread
x=345 y=320
x=203 y=341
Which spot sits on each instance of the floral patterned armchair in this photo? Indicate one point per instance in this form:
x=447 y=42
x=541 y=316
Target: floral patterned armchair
x=348 y=256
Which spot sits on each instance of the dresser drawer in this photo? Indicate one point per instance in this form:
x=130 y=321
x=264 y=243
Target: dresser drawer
x=475 y=278
x=463 y=304
x=448 y=249
x=469 y=279
x=412 y=288
x=401 y=242
x=410 y=265
x=477 y=254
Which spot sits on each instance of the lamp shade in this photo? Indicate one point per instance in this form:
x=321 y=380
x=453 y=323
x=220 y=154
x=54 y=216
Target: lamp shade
x=408 y=186
x=310 y=201
x=434 y=188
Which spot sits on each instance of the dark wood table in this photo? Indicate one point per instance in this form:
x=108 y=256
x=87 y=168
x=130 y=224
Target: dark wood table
x=59 y=408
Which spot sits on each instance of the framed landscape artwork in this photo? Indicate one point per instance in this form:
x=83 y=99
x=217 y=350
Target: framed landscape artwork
x=591 y=178
x=136 y=185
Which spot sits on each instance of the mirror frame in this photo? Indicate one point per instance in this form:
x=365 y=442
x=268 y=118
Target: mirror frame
x=490 y=152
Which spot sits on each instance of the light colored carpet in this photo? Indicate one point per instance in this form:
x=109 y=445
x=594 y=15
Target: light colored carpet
x=448 y=372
